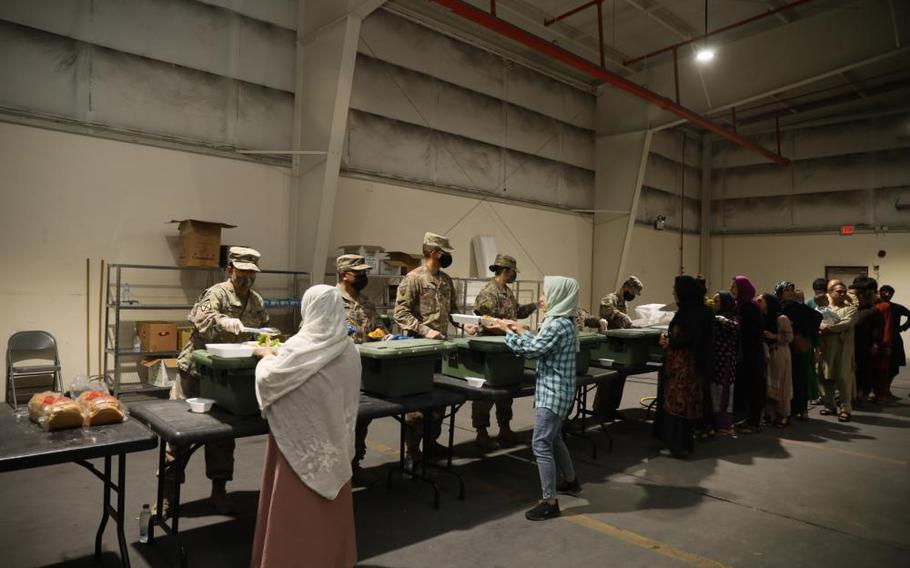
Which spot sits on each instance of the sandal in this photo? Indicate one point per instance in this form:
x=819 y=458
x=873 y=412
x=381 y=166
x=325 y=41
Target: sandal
x=747 y=429
x=843 y=417
x=827 y=412
x=784 y=422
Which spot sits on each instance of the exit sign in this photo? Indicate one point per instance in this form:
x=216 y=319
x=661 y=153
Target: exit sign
x=846 y=230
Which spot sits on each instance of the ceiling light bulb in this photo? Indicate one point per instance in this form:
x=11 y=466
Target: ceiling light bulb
x=704 y=55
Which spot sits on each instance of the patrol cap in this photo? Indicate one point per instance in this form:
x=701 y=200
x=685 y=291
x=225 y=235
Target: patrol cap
x=243 y=258
x=504 y=261
x=351 y=263
x=634 y=283
x=437 y=241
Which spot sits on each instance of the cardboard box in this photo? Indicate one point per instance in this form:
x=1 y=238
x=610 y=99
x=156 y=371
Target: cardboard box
x=157 y=336
x=200 y=242
x=158 y=372
x=406 y=261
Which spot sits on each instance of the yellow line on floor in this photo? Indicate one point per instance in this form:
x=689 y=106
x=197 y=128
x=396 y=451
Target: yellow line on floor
x=641 y=541
x=591 y=523
x=826 y=447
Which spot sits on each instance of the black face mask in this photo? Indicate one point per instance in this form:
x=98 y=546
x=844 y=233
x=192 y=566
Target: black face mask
x=243 y=282
x=445 y=260
x=360 y=282
x=628 y=296
x=513 y=277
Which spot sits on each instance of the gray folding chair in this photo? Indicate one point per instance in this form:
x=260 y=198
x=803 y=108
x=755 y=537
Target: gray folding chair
x=31 y=345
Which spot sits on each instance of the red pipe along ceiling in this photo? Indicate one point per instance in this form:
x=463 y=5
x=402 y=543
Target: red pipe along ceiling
x=543 y=46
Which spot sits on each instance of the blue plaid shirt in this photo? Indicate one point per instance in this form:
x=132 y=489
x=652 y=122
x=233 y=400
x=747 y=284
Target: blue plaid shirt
x=554 y=348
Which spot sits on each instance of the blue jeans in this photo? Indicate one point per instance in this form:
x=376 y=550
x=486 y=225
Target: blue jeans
x=551 y=451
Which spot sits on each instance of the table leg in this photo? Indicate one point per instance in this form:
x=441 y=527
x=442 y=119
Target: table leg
x=121 y=505
x=159 y=496
x=105 y=506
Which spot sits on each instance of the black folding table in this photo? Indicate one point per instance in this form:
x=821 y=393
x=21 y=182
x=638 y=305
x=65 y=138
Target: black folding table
x=583 y=383
x=24 y=445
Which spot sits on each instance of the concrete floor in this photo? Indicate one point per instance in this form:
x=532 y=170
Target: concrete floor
x=820 y=493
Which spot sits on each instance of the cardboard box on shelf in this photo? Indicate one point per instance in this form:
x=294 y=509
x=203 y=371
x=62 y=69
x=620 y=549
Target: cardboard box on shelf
x=200 y=242
x=405 y=260
x=157 y=336
x=158 y=372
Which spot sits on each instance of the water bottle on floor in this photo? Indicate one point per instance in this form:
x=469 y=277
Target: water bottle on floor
x=144 y=517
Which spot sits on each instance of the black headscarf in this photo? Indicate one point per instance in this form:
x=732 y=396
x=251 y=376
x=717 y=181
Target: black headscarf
x=773 y=305
x=693 y=326
x=727 y=305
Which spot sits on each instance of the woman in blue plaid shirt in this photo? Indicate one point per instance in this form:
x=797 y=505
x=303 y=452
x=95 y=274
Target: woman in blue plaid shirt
x=554 y=346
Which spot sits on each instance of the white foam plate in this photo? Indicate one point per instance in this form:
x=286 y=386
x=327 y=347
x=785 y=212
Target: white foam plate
x=466 y=319
x=606 y=362
x=200 y=405
x=229 y=350
x=475 y=382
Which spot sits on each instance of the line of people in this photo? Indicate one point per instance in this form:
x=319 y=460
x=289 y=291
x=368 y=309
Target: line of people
x=767 y=358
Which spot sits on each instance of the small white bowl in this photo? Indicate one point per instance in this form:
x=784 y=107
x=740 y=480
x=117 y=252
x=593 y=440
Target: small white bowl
x=200 y=405
x=606 y=362
x=475 y=382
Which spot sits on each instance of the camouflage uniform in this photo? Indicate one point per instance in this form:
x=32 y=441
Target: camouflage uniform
x=583 y=319
x=497 y=301
x=360 y=313
x=613 y=308
x=218 y=302
x=424 y=302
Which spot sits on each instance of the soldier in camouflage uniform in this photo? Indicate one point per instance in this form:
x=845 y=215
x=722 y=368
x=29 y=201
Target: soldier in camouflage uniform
x=613 y=306
x=497 y=300
x=217 y=317
x=614 y=309
x=425 y=300
x=362 y=317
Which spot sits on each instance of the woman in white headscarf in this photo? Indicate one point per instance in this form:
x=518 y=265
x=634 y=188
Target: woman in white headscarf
x=309 y=392
x=555 y=347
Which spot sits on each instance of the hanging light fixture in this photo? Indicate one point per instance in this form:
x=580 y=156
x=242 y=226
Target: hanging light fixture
x=705 y=53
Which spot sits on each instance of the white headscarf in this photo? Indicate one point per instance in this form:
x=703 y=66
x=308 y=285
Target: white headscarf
x=310 y=392
x=322 y=338
x=561 y=294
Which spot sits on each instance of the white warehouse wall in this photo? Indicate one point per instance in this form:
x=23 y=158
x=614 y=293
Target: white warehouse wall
x=67 y=197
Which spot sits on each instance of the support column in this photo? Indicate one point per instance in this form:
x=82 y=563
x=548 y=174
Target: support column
x=704 y=255
x=621 y=160
x=327 y=35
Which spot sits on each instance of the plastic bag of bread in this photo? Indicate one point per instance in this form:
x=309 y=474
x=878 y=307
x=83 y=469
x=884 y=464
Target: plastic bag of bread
x=100 y=408
x=54 y=411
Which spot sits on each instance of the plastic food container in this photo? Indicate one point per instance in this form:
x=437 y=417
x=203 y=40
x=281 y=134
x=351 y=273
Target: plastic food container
x=400 y=368
x=199 y=404
x=486 y=356
x=229 y=350
x=475 y=382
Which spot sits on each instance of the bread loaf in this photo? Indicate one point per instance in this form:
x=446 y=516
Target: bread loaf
x=54 y=411
x=100 y=408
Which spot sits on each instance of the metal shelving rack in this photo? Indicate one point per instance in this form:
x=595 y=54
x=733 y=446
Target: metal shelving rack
x=114 y=305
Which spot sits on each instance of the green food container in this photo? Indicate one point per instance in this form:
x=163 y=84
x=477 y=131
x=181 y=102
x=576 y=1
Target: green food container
x=628 y=347
x=401 y=367
x=486 y=357
x=588 y=341
x=230 y=382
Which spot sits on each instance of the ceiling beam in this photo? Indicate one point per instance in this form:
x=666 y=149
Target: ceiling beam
x=749 y=69
x=663 y=16
x=541 y=45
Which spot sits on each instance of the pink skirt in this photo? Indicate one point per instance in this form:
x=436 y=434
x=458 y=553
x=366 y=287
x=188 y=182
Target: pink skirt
x=296 y=526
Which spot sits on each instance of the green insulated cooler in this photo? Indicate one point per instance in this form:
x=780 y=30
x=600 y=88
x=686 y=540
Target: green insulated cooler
x=231 y=383
x=401 y=367
x=588 y=341
x=486 y=357
x=628 y=347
